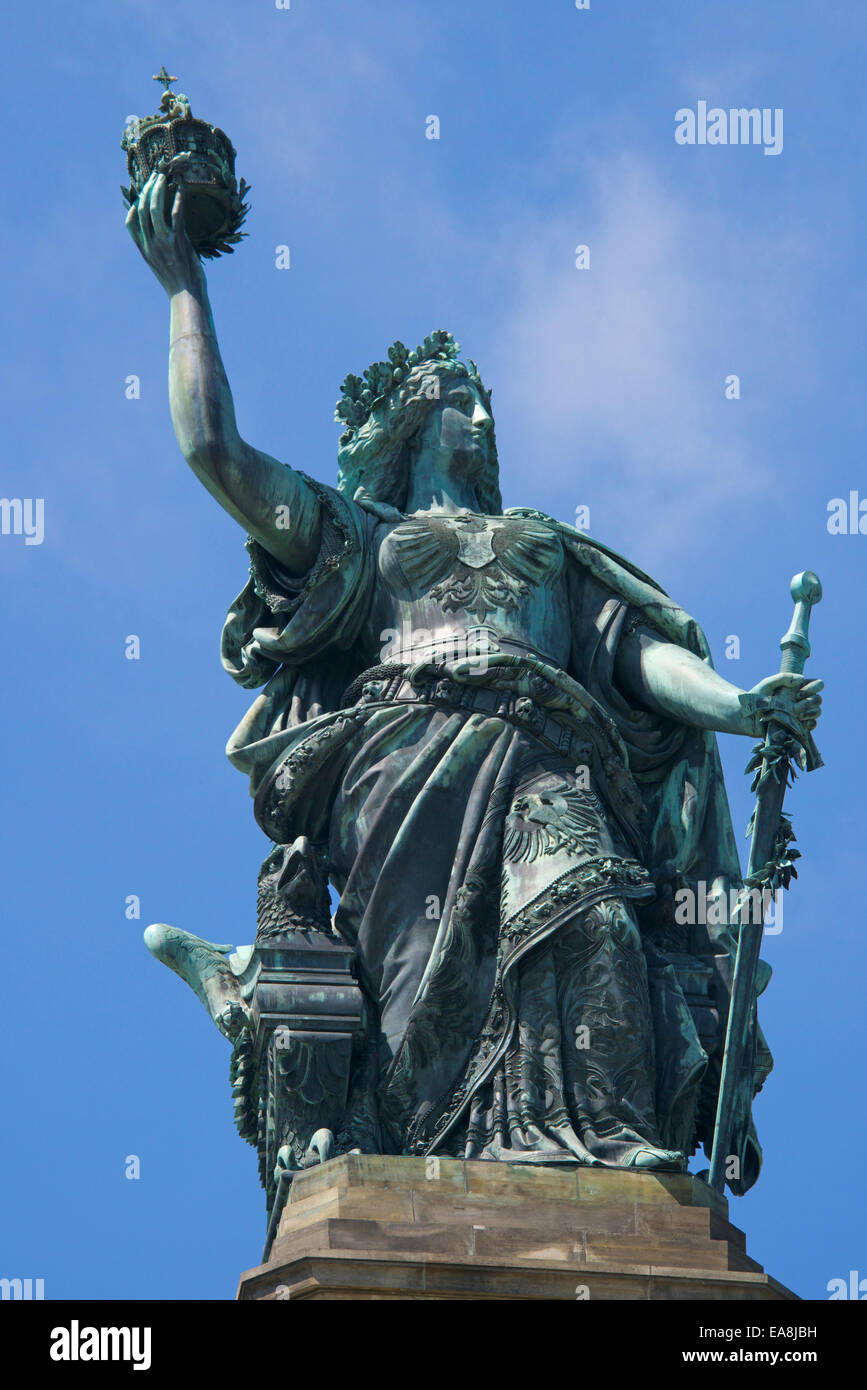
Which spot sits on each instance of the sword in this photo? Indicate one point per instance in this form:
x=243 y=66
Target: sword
x=770 y=865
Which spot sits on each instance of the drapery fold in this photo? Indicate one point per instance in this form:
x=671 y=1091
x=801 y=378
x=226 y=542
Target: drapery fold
x=417 y=806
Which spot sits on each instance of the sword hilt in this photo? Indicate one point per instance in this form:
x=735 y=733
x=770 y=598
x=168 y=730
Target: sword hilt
x=806 y=590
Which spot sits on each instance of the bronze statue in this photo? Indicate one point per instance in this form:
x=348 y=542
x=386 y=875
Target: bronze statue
x=496 y=739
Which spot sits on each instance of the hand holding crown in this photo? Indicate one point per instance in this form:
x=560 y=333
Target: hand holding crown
x=156 y=224
x=184 y=202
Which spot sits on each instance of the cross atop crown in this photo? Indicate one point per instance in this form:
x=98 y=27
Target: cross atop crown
x=163 y=76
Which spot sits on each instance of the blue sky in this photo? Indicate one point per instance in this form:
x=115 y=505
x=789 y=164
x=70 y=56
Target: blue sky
x=556 y=129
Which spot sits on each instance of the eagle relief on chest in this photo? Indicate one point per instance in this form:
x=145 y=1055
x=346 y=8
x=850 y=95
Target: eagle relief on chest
x=476 y=564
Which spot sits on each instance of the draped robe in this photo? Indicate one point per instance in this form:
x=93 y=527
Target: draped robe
x=506 y=844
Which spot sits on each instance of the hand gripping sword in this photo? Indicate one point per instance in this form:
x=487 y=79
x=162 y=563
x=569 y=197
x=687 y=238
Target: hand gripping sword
x=769 y=866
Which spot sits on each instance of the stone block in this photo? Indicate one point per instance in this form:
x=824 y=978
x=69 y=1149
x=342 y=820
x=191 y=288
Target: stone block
x=370 y=1227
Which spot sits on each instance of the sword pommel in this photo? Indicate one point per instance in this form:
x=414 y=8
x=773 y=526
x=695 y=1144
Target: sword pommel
x=806 y=588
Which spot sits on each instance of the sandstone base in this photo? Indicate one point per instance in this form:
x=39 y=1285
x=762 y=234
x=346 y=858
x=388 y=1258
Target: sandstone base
x=364 y=1227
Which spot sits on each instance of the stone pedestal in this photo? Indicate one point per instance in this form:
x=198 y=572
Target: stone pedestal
x=365 y=1226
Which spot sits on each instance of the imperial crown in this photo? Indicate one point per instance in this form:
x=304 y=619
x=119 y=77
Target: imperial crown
x=214 y=207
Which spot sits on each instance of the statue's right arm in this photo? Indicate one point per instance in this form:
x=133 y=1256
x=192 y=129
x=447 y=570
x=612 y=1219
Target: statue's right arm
x=266 y=497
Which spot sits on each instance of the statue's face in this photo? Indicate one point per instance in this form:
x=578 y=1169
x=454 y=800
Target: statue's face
x=459 y=430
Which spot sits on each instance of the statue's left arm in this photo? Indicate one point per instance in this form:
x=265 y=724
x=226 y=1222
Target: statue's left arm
x=670 y=680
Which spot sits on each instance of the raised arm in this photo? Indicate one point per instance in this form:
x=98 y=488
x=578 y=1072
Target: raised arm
x=264 y=496
x=670 y=680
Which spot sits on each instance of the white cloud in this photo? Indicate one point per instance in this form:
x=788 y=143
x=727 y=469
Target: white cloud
x=610 y=380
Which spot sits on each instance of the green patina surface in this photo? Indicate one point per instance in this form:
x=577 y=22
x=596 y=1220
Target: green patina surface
x=496 y=739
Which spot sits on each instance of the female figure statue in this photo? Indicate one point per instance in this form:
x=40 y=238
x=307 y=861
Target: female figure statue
x=498 y=736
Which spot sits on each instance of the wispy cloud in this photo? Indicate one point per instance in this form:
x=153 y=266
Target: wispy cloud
x=610 y=380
